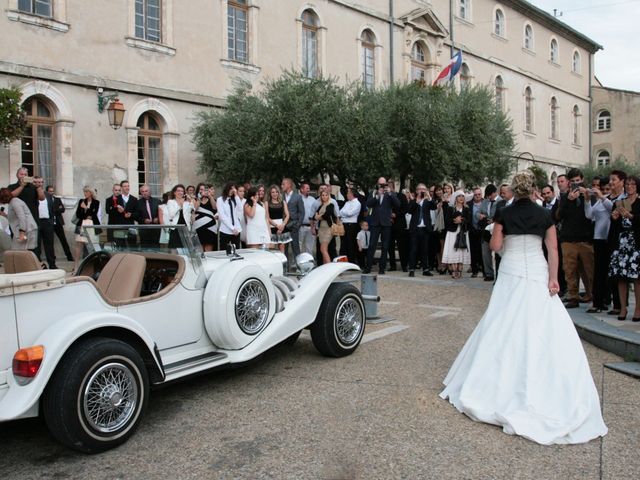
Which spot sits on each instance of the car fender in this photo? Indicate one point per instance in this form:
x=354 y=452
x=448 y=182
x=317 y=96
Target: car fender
x=219 y=303
x=299 y=312
x=57 y=339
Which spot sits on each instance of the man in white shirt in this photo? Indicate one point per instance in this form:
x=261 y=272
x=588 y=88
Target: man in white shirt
x=306 y=234
x=349 y=216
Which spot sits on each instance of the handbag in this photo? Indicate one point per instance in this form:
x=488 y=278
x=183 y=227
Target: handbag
x=439 y=225
x=337 y=229
x=461 y=239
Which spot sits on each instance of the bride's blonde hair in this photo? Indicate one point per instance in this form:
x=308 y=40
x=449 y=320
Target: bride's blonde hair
x=523 y=184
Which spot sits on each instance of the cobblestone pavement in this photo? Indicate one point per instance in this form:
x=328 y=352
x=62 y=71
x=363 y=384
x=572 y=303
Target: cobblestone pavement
x=375 y=414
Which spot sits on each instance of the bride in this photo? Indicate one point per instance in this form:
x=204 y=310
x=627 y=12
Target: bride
x=523 y=368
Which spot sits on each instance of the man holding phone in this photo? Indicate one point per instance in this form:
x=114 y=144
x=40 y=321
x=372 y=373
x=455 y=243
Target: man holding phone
x=576 y=240
x=381 y=206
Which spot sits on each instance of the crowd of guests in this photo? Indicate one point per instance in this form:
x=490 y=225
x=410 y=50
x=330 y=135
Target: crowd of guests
x=434 y=229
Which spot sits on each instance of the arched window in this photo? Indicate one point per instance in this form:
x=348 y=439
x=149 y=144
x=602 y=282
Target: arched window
x=498 y=24
x=150 y=153
x=528 y=37
x=418 y=63
x=499 y=83
x=310 y=24
x=575 y=62
x=237 y=30
x=603 y=120
x=553 y=51
x=368 y=42
x=603 y=158
x=465 y=76
x=528 y=110
x=554 y=118
x=38 y=140
x=576 y=124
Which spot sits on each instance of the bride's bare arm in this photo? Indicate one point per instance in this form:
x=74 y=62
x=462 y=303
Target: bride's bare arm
x=551 y=242
x=497 y=237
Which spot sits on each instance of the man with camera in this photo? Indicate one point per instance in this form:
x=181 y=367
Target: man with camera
x=26 y=191
x=381 y=206
x=420 y=226
x=576 y=239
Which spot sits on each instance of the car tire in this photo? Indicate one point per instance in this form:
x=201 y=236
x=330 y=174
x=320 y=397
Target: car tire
x=292 y=339
x=96 y=378
x=339 y=325
x=239 y=303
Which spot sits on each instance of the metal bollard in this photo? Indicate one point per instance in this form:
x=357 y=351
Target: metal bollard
x=369 y=289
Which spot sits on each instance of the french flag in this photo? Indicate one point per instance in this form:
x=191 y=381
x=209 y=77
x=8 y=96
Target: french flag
x=450 y=71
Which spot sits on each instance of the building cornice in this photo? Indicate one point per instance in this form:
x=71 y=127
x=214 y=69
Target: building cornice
x=619 y=90
x=553 y=24
x=92 y=81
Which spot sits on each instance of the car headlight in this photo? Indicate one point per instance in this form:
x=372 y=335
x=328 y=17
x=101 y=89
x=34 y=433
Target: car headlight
x=305 y=263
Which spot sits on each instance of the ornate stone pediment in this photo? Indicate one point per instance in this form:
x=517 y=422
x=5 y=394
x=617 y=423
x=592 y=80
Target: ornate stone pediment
x=424 y=20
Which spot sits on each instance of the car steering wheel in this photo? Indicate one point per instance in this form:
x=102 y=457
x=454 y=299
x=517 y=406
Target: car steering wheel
x=98 y=258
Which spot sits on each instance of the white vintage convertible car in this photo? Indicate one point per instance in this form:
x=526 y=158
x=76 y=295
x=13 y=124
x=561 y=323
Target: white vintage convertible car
x=85 y=350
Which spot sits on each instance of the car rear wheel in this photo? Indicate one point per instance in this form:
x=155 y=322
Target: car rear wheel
x=339 y=325
x=96 y=397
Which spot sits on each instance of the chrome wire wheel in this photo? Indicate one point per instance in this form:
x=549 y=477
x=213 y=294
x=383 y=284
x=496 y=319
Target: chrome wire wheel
x=252 y=306
x=110 y=398
x=348 y=320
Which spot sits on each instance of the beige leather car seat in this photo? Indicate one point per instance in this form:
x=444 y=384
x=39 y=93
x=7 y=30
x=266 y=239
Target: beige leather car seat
x=20 y=261
x=121 y=278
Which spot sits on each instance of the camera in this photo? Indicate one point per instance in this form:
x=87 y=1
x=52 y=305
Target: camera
x=27 y=179
x=576 y=185
x=382 y=185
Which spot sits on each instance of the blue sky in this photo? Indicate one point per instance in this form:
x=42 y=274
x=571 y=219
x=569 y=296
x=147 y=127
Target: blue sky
x=614 y=24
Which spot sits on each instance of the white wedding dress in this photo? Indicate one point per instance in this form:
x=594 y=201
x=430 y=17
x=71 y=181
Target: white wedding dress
x=523 y=367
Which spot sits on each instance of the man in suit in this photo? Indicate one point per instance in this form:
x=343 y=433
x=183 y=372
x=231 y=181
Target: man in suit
x=58 y=222
x=420 y=228
x=127 y=205
x=45 y=221
x=475 y=232
x=381 y=204
x=485 y=217
x=110 y=204
x=551 y=202
x=147 y=214
x=296 y=215
x=399 y=233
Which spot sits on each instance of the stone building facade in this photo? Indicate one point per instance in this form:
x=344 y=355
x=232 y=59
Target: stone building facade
x=168 y=60
x=616 y=125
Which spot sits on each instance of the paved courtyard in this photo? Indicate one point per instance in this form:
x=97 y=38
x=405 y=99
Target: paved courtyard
x=376 y=414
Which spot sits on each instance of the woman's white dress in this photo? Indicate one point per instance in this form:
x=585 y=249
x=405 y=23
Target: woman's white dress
x=258 y=232
x=523 y=368
x=450 y=254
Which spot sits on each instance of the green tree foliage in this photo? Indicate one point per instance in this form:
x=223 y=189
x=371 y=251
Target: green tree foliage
x=541 y=176
x=12 y=121
x=618 y=164
x=302 y=128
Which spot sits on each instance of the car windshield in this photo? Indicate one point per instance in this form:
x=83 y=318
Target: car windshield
x=142 y=238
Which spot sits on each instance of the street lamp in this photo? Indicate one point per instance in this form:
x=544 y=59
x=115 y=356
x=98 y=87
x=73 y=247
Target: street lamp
x=115 y=110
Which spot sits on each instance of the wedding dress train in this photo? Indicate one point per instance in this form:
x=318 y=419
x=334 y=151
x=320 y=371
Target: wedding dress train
x=523 y=368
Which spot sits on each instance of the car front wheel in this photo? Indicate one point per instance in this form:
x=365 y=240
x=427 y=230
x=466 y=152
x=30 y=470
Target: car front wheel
x=339 y=325
x=97 y=395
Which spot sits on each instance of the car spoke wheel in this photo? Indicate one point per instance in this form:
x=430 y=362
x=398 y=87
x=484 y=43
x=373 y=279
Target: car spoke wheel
x=340 y=323
x=252 y=306
x=110 y=397
x=97 y=395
